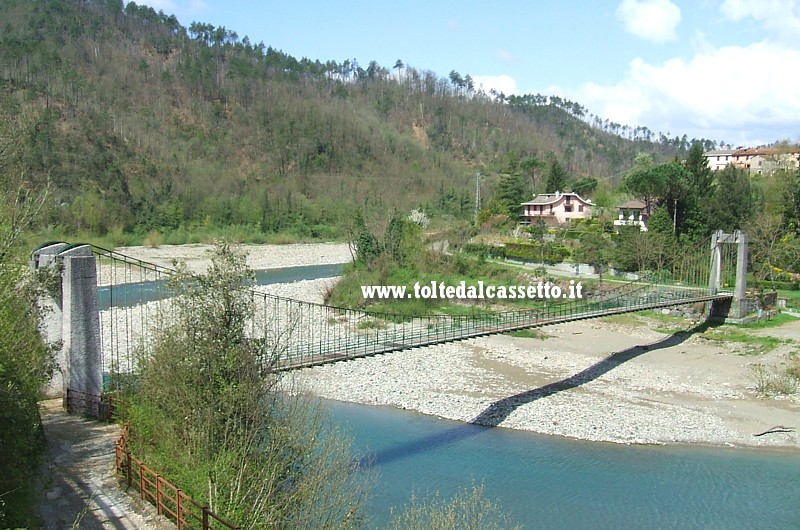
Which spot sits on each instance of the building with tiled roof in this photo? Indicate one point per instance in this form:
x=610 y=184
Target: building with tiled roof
x=556 y=208
x=755 y=160
x=633 y=213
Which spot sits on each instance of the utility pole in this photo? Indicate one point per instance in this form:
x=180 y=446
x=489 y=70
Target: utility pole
x=675 y=218
x=477 y=196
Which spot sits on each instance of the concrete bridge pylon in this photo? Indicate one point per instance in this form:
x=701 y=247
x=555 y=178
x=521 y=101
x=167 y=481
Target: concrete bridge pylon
x=71 y=317
x=736 y=307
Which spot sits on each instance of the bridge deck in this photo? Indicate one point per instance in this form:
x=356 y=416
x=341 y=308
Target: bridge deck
x=305 y=361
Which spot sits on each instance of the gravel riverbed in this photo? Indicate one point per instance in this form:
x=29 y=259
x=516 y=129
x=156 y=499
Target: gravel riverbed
x=611 y=380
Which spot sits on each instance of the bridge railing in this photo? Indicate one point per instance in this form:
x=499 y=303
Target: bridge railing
x=343 y=337
x=297 y=333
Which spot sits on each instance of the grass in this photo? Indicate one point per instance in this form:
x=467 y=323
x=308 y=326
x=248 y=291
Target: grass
x=792 y=298
x=664 y=323
x=371 y=324
x=625 y=319
x=774 y=381
x=530 y=333
x=778 y=320
x=752 y=344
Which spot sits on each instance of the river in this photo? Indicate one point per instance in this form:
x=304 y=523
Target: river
x=546 y=482
x=543 y=481
x=134 y=293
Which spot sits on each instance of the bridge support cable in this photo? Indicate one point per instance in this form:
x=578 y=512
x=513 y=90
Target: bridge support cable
x=134 y=301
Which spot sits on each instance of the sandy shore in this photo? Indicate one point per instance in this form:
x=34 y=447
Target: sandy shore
x=615 y=380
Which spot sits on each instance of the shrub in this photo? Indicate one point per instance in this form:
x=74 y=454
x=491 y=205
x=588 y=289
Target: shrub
x=548 y=252
x=210 y=416
x=153 y=239
x=26 y=363
x=773 y=381
x=468 y=510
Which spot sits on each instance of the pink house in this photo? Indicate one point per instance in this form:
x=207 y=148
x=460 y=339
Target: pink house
x=556 y=208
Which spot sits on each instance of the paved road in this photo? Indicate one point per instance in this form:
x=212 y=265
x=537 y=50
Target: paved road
x=77 y=486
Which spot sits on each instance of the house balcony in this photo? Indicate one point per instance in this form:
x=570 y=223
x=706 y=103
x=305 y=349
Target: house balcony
x=630 y=221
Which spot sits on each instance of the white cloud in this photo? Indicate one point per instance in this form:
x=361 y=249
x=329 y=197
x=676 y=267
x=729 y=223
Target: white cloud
x=749 y=89
x=653 y=20
x=779 y=16
x=501 y=83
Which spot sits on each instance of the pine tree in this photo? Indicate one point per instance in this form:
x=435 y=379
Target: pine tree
x=556 y=177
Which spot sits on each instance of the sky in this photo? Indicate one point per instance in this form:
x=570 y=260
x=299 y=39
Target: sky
x=726 y=70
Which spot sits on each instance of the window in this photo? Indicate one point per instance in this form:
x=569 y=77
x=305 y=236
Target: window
x=580 y=207
x=567 y=207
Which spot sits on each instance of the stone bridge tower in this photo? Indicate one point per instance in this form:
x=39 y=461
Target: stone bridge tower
x=72 y=318
x=735 y=308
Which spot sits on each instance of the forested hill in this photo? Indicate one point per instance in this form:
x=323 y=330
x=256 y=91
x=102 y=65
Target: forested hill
x=141 y=124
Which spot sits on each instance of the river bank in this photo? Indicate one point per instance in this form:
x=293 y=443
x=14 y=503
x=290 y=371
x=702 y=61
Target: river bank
x=259 y=257
x=614 y=380
x=593 y=380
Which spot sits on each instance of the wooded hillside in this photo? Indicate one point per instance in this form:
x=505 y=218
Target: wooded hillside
x=141 y=124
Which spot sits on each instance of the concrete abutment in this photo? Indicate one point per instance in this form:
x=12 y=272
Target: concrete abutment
x=72 y=320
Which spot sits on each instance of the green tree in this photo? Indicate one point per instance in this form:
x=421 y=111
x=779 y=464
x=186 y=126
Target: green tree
x=530 y=165
x=641 y=183
x=792 y=201
x=210 y=416
x=26 y=363
x=595 y=249
x=585 y=186
x=662 y=184
x=537 y=230
x=766 y=232
x=402 y=241
x=367 y=247
x=697 y=165
x=626 y=249
x=556 y=177
x=512 y=190
x=733 y=205
x=660 y=222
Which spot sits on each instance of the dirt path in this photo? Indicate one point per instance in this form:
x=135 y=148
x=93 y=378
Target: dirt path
x=77 y=487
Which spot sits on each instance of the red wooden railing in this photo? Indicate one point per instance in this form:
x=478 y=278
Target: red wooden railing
x=168 y=499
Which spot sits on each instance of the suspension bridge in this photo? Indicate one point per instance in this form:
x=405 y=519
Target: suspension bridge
x=109 y=307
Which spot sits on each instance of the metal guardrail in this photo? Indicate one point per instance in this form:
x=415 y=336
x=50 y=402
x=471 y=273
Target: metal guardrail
x=100 y=407
x=169 y=500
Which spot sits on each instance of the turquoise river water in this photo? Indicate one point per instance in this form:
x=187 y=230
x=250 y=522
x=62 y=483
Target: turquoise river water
x=552 y=482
